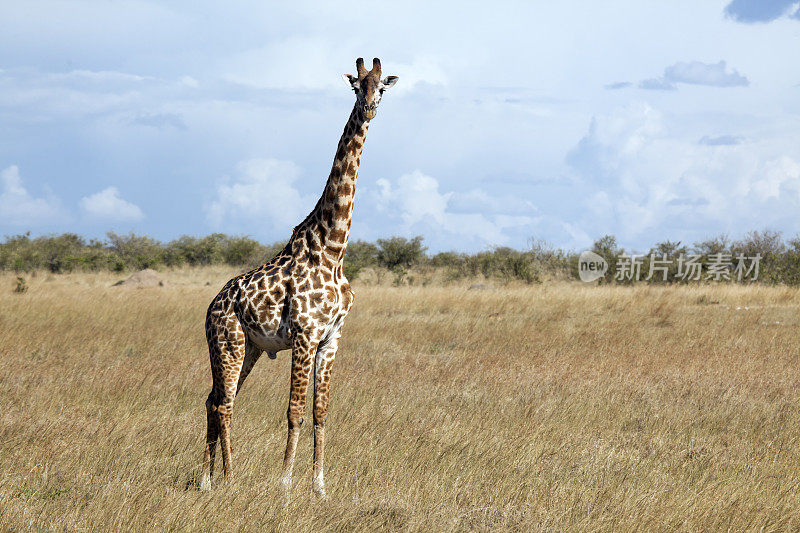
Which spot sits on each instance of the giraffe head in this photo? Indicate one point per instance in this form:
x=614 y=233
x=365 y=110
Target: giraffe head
x=369 y=86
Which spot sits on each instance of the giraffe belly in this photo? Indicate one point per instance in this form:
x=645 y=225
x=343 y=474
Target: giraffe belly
x=270 y=341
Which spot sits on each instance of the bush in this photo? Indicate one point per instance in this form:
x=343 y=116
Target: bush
x=21 y=286
x=358 y=256
x=398 y=252
x=447 y=260
x=672 y=251
x=19 y=254
x=504 y=263
x=780 y=260
x=62 y=253
x=135 y=251
x=198 y=252
x=557 y=262
x=769 y=245
x=243 y=251
x=791 y=262
x=716 y=245
x=606 y=247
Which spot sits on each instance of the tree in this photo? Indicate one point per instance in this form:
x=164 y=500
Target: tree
x=606 y=247
x=358 y=256
x=398 y=252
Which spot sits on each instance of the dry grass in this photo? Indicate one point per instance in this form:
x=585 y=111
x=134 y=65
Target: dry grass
x=556 y=407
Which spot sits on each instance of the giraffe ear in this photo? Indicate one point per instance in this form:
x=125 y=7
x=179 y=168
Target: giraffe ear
x=389 y=81
x=351 y=80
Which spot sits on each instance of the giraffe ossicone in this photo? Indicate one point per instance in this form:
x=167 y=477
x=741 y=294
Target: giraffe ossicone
x=298 y=300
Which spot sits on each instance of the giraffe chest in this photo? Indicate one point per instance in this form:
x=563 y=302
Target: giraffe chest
x=320 y=313
x=326 y=310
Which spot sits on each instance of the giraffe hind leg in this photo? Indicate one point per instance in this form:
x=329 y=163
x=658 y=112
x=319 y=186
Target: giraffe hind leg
x=212 y=435
x=227 y=358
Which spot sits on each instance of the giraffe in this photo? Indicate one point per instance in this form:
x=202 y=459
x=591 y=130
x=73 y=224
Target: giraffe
x=297 y=300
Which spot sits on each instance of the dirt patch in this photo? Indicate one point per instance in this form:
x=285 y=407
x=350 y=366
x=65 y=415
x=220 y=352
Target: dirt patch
x=143 y=278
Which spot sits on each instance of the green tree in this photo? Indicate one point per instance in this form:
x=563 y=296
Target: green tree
x=358 y=256
x=399 y=252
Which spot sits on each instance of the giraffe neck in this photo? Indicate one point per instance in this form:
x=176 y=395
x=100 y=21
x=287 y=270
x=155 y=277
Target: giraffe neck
x=329 y=222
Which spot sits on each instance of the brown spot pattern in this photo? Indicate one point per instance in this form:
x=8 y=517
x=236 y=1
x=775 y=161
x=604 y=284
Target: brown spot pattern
x=298 y=300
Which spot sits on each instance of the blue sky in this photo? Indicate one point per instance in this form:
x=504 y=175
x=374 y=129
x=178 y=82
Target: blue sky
x=561 y=121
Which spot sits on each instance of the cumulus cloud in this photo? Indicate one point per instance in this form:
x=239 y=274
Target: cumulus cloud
x=263 y=192
x=617 y=85
x=472 y=219
x=109 y=205
x=19 y=208
x=751 y=11
x=696 y=73
x=775 y=178
x=638 y=178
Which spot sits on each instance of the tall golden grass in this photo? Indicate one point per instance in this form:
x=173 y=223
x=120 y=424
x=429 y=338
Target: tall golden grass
x=552 y=407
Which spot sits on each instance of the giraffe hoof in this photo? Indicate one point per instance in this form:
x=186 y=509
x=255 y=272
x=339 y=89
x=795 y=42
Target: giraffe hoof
x=286 y=486
x=205 y=483
x=318 y=488
x=320 y=493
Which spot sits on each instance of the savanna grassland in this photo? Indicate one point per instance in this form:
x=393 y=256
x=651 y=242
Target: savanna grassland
x=553 y=407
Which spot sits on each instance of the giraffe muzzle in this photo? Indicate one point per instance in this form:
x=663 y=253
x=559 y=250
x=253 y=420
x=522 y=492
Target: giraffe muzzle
x=370 y=110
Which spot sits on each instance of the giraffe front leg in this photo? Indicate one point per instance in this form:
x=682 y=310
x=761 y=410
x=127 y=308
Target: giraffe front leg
x=302 y=359
x=322 y=378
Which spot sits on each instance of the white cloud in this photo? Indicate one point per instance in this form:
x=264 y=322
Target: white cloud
x=98 y=76
x=262 y=192
x=33 y=94
x=494 y=110
x=317 y=63
x=640 y=180
x=696 y=73
x=19 y=208
x=421 y=208
x=189 y=81
x=108 y=204
x=776 y=178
